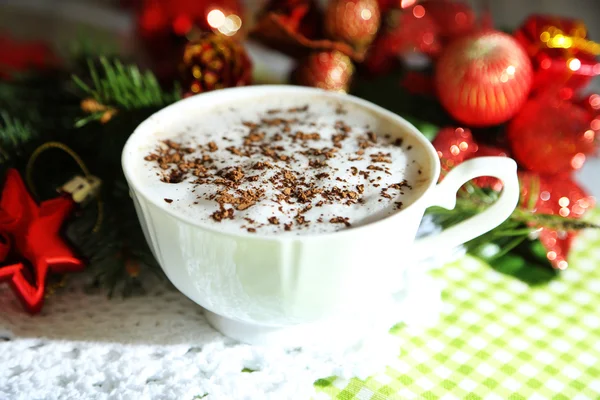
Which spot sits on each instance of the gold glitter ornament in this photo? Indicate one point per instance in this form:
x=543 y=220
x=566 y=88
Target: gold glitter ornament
x=214 y=62
x=330 y=70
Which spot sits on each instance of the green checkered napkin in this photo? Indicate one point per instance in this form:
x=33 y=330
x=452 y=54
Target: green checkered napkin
x=499 y=338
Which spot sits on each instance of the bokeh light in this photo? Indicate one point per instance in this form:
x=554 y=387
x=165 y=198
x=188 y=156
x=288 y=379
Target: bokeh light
x=216 y=18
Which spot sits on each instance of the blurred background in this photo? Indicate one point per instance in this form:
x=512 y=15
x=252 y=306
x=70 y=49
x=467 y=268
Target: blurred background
x=112 y=21
x=109 y=26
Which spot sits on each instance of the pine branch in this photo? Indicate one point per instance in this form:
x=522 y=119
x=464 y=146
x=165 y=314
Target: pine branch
x=513 y=232
x=555 y=222
x=14 y=135
x=114 y=86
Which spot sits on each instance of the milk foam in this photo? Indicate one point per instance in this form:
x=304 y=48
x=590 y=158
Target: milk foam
x=396 y=174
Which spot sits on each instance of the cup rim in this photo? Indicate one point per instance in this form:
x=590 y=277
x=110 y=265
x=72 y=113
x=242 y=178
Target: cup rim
x=129 y=152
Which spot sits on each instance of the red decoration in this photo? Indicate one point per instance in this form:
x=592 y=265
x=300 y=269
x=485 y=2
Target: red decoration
x=418 y=83
x=550 y=136
x=557 y=244
x=488 y=181
x=300 y=16
x=454 y=145
x=592 y=104
x=164 y=26
x=32 y=232
x=557 y=195
x=403 y=31
x=483 y=79
x=562 y=54
x=214 y=62
x=164 y=18
x=284 y=33
x=452 y=18
x=387 y=5
x=352 y=21
x=17 y=56
x=330 y=70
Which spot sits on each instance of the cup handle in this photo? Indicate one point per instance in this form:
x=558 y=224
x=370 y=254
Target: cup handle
x=444 y=195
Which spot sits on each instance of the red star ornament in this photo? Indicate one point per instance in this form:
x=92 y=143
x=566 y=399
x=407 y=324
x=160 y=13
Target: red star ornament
x=34 y=236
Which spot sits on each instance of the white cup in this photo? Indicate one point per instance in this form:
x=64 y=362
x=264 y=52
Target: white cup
x=266 y=289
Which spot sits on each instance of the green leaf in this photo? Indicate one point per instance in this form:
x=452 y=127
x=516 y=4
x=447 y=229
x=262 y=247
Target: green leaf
x=525 y=263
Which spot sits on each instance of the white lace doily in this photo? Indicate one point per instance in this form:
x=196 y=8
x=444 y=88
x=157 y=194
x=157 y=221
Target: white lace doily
x=159 y=346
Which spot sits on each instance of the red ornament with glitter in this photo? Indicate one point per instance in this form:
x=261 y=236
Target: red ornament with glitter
x=556 y=195
x=330 y=70
x=483 y=79
x=454 y=145
x=32 y=243
x=561 y=52
x=551 y=136
x=352 y=21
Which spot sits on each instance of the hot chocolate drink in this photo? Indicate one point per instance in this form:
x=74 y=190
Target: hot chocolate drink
x=294 y=166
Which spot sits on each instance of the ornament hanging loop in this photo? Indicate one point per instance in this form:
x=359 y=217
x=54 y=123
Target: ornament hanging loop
x=81 y=189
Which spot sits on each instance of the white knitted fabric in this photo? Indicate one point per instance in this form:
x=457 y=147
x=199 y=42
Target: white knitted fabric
x=159 y=346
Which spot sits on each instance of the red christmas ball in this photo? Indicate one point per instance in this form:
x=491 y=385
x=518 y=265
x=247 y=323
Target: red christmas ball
x=483 y=79
x=550 y=136
x=353 y=21
x=454 y=145
x=330 y=70
x=556 y=195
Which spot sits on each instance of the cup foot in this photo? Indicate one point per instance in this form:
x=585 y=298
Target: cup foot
x=319 y=333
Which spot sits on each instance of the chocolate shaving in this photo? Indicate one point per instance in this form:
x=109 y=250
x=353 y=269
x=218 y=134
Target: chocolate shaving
x=222 y=214
x=236 y=189
x=340 y=220
x=212 y=147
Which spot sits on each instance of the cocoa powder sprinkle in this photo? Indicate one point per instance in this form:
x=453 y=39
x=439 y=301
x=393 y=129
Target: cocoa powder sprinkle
x=294 y=191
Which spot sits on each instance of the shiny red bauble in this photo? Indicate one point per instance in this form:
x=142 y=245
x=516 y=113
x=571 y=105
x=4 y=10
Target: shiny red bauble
x=551 y=136
x=483 y=79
